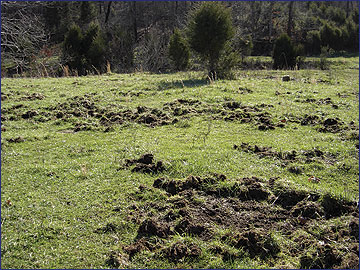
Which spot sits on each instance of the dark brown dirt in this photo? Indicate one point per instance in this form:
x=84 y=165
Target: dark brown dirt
x=307 y=209
x=33 y=96
x=244 y=90
x=251 y=208
x=334 y=207
x=88 y=108
x=333 y=125
x=325 y=257
x=140 y=245
x=16 y=140
x=145 y=164
x=310 y=120
x=267 y=152
x=256 y=243
x=180 y=250
x=322 y=101
x=152 y=227
x=288 y=157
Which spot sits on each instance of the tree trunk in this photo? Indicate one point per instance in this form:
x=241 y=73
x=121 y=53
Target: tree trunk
x=133 y=10
x=270 y=19
x=290 y=19
x=108 y=12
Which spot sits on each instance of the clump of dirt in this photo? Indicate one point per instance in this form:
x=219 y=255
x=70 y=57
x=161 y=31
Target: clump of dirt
x=189 y=226
x=192 y=182
x=325 y=257
x=354 y=228
x=85 y=127
x=183 y=107
x=235 y=111
x=229 y=111
x=33 y=96
x=295 y=169
x=334 y=207
x=226 y=254
x=251 y=208
x=145 y=164
x=77 y=106
x=310 y=120
x=141 y=115
x=245 y=189
x=140 y=245
x=16 y=140
x=257 y=243
x=322 y=101
x=267 y=152
x=350 y=261
x=245 y=90
x=180 y=250
x=308 y=209
x=4 y=96
x=332 y=125
x=288 y=157
x=153 y=227
x=29 y=114
x=287 y=197
x=265 y=122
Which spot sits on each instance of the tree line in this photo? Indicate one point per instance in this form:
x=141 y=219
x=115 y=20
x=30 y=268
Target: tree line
x=53 y=38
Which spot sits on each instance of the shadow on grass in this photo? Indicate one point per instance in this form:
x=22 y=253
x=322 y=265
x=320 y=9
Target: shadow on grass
x=163 y=85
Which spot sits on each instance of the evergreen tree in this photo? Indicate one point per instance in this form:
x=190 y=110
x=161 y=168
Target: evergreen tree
x=179 y=51
x=284 y=54
x=209 y=29
x=84 y=51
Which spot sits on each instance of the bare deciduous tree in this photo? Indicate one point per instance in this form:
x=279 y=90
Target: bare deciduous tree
x=22 y=33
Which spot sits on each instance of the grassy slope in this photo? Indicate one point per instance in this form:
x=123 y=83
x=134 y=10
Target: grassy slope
x=58 y=188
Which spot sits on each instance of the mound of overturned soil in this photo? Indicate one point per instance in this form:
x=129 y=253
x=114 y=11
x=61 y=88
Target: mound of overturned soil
x=33 y=96
x=267 y=152
x=256 y=243
x=87 y=108
x=180 y=250
x=333 y=125
x=288 y=157
x=322 y=101
x=145 y=164
x=252 y=208
x=16 y=140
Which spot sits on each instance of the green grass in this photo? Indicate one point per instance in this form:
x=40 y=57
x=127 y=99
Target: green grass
x=58 y=188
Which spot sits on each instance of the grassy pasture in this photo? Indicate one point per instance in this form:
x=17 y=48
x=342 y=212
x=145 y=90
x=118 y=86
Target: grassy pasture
x=254 y=172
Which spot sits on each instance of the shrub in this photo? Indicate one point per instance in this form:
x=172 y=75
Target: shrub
x=84 y=51
x=336 y=14
x=209 y=29
x=313 y=42
x=324 y=63
x=350 y=35
x=229 y=59
x=72 y=50
x=331 y=36
x=284 y=54
x=179 y=51
x=94 y=45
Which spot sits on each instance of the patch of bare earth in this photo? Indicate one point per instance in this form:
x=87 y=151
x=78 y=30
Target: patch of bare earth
x=245 y=214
